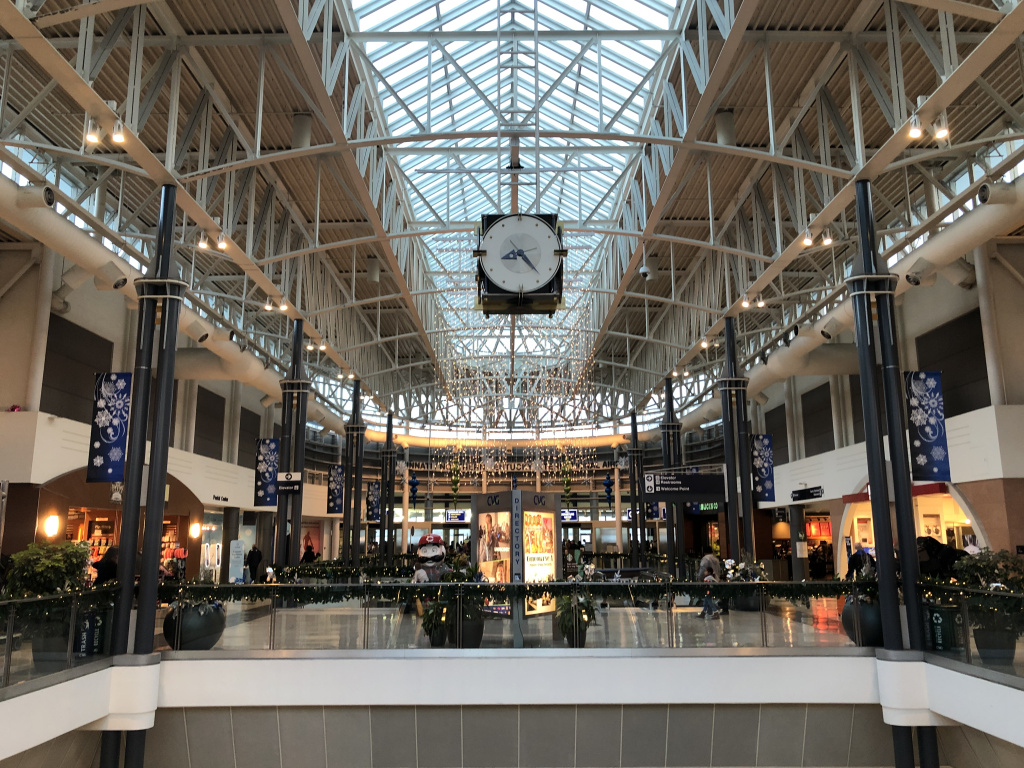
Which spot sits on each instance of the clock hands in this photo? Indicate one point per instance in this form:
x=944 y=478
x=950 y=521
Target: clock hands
x=519 y=253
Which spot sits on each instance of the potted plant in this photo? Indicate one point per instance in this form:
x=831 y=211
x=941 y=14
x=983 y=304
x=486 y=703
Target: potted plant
x=861 y=611
x=465 y=620
x=573 y=615
x=45 y=570
x=195 y=618
x=746 y=570
x=433 y=622
x=994 y=614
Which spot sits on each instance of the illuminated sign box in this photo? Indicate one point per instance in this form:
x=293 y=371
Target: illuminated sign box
x=455 y=515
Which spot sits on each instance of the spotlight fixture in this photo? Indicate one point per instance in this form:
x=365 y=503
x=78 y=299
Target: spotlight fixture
x=940 y=128
x=826 y=239
x=283 y=306
x=204 y=241
x=686 y=374
x=808 y=241
x=760 y=301
x=341 y=375
x=117 y=135
x=269 y=306
x=675 y=373
x=310 y=346
x=351 y=376
x=745 y=302
x=323 y=346
x=915 y=131
x=222 y=242
x=92 y=131
x=704 y=343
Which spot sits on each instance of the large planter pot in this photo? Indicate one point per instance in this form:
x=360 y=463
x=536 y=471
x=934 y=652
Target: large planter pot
x=472 y=633
x=201 y=627
x=870 y=623
x=747 y=602
x=49 y=651
x=438 y=636
x=996 y=646
x=577 y=639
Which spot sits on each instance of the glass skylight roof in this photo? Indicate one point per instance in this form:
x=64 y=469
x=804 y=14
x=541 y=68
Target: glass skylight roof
x=503 y=100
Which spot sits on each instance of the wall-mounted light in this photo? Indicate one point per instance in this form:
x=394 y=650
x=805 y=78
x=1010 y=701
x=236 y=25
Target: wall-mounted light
x=195 y=530
x=51 y=525
x=117 y=135
x=915 y=131
x=222 y=242
x=204 y=241
x=92 y=131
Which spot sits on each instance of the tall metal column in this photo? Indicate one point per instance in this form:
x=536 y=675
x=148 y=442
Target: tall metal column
x=670 y=455
x=634 y=500
x=171 y=293
x=299 y=387
x=744 y=465
x=727 y=386
x=797 y=535
x=388 y=476
x=357 y=483
x=284 y=464
x=899 y=457
x=345 y=550
x=862 y=286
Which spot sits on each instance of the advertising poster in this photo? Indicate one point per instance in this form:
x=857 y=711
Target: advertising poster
x=539 y=549
x=494 y=551
x=311 y=538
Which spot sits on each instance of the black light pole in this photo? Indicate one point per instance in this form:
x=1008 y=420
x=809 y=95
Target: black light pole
x=899 y=457
x=110 y=741
x=357 y=485
x=671 y=460
x=739 y=383
x=862 y=286
x=284 y=464
x=388 y=475
x=300 y=393
x=726 y=387
x=634 y=501
x=171 y=292
x=345 y=551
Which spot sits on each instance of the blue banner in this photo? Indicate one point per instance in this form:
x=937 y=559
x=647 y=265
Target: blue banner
x=929 y=452
x=335 y=489
x=268 y=457
x=764 y=468
x=108 y=441
x=373 y=502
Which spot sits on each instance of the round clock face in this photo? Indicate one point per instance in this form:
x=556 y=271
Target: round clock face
x=520 y=254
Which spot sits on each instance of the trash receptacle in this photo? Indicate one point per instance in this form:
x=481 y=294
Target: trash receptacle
x=944 y=628
x=89 y=635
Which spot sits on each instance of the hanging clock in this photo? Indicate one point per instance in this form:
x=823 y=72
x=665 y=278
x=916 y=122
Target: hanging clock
x=520 y=264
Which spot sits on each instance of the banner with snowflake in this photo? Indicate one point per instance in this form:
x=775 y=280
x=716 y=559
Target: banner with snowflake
x=108 y=441
x=929 y=452
x=335 y=489
x=268 y=457
x=764 y=467
x=373 y=502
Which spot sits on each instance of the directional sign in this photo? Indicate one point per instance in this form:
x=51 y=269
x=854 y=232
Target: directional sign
x=806 y=494
x=289 y=482
x=570 y=515
x=684 y=483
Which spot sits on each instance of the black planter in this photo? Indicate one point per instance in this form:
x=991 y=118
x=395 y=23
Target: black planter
x=437 y=637
x=201 y=627
x=472 y=633
x=746 y=602
x=50 y=651
x=577 y=639
x=870 y=623
x=996 y=646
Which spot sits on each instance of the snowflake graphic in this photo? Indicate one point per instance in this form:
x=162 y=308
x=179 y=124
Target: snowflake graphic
x=103 y=419
x=938 y=453
x=121 y=383
x=97 y=461
x=115 y=454
x=769 y=484
x=261 y=467
x=919 y=417
x=930 y=382
x=920 y=459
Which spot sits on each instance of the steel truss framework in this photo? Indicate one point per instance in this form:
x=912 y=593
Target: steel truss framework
x=346 y=149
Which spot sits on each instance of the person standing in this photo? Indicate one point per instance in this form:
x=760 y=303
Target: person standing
x=106 y=567
x=253 y=558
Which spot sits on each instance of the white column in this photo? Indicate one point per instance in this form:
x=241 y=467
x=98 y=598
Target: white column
x=40 y=328
x=989 y=326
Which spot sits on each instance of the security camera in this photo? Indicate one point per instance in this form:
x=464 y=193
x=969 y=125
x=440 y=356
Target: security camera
x=645 y=272
x=36 y=196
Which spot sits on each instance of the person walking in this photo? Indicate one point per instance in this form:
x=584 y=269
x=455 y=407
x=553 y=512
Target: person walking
x=710 y=610
x=253 y=558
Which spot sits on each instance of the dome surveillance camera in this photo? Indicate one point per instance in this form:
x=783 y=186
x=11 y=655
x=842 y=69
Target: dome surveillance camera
x=645 y=272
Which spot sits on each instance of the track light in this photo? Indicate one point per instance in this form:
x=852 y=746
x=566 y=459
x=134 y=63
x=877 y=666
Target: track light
x=940 y=128
x=826 y=239
x=92 y=131
x=808 y=240
x=915 y=131
x=117 y=135
x=760 y=301
x=745 y=302
x=704 y=343
x=283 y=306
x=222 y=242
x=204 y=241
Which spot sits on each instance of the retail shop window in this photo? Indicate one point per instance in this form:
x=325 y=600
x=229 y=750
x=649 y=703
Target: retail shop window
x=73 y=358
x=817 y=417
x=775 y=425
x=957 y=349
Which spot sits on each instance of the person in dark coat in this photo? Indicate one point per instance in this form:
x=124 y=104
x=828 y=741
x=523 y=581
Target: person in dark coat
x=106 y=567
x=253 y=559
x=309 y=556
